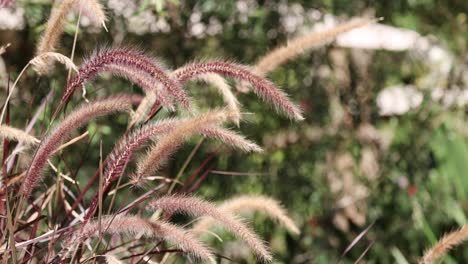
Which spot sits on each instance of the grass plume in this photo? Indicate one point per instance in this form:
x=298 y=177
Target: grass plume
x=169 y=143
x=44 y=60
x=16 y=134
x=231 y=138
x=444 y=244
x=134 y=225
x=225 y=90
x=264 y=88
x=197 y=207
x=299 y=45
x=54 y=29
x=250 y=204
x=113 y=60
x=64 y=128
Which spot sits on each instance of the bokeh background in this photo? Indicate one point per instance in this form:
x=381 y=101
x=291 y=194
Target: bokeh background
x=384 y=144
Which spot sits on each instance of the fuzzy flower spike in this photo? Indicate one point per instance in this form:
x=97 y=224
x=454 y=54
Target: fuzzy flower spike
x=264 y=88
x=64 y=128
x=132 y=64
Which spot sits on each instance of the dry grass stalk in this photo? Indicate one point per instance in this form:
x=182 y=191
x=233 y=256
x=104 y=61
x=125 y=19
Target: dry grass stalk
x=94 y=11
x=16 y=134
x=169 y=143
x=64 y=128
x=250 y=204
x=444 y=244
x=299 y=45
x=133 y=226
x=54 y=29
x=45 y=59
x=262 y=87
x=197 y=207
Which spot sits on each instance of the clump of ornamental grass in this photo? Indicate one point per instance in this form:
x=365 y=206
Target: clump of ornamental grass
x=162 y=87
x=196 y=207
x=248 y=204
x=446 y=243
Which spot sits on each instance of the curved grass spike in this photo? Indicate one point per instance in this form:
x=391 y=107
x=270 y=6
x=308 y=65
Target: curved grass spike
x=197 y=207
x=121 y=155
x=230 y=138
x=264 y=88
x=12 y=133
x=145 y=81
x=225 y=90
x=112 y=60
x=44 y=60
x=299 y=45
x=54 y=29
x=64 y=128
x=444 y=244
x=250 y=204
x=134 y=225
x=169 y=143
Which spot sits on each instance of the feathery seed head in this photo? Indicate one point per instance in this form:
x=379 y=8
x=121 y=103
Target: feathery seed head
x=54 y=29
x=299 y=45
x=169 y=143
x=264 y=88
x=132 y=64
x=197 y=207
x=252 y=203
x=444 y=244
x=12 y=133
x=64 y=128
x=133 y=225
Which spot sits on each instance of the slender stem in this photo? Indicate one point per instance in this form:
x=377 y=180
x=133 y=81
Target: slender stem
x=184 y=166
x=11 y=91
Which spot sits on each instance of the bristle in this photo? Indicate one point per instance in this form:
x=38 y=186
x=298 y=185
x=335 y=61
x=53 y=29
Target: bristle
x=146 y=82
x=93 y=10
x=52 y=33
x=231 y=138
x=197 y=207
x=54 y=29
